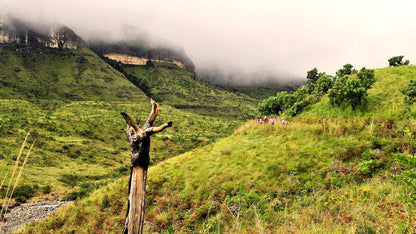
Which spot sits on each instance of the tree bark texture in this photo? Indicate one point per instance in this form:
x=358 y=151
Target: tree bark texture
x=139 y=139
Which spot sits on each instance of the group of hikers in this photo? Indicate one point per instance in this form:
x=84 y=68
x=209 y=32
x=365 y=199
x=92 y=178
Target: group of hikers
x=271 y=120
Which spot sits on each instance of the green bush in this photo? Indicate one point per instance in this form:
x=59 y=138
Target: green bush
x=351 y=90
x=323 y=84
x=46 y=189
x=346 y=70
x=105 y=203
x=409 y=92
x=337 y=93
x=368 y=167
x=396 y=61
x=23 y=192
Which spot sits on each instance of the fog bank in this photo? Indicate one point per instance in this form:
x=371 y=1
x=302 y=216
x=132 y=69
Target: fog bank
x=283 y=39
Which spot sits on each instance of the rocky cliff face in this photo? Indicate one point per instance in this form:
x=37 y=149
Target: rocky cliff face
x=14 y=31
x=17 y=32
x=135 y=54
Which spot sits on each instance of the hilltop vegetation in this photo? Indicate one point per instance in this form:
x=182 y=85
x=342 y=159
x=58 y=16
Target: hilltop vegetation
x=330 y=170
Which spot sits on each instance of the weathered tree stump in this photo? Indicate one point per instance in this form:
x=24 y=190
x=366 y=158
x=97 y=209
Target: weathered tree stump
x=139 y=150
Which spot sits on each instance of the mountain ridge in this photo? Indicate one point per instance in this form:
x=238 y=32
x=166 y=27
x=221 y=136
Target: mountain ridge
x=15 y=31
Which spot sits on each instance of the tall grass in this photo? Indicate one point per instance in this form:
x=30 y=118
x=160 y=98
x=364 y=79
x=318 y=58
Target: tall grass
x=8 y=196
x=4 y=179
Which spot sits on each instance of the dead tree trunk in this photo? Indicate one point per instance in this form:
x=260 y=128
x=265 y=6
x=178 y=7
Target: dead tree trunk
x=139 y=150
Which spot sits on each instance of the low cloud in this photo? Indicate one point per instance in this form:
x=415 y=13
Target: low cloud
x=282 y=39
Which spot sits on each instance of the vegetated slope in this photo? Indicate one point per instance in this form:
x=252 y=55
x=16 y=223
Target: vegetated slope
x=260 y=90
x=327 y=171
x=167 y=75
x=45 y=73
x=184 y=90
x=70 y=101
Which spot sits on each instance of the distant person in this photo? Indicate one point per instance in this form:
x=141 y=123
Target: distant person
x=284 y=122
x=259 y=120
x=272 y=120
x=265 y=120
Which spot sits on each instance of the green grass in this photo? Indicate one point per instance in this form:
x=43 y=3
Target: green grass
x=61 y=75
x=84 y=141
x=184 y=90
x=70 y=101
x=326 y=172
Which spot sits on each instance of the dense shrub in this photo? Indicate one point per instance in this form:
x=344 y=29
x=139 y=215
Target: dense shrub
x=284 y=101
x=410 y=92
x=311 y=78
x=46 y=189
x=24 y=192
x=396 y=61
x=346 y=70
x=351 y=90
x=323 y=84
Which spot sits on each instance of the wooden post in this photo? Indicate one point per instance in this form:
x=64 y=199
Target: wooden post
x=139 y=139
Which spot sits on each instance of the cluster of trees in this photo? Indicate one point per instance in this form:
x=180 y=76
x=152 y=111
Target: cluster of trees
x=351 y=90
x=293 y=102
x=347 y=86
x=397 y=61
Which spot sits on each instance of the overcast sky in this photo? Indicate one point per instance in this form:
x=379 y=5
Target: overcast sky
x=284 y=37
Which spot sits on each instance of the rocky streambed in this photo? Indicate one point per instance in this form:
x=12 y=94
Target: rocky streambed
x=24 y=213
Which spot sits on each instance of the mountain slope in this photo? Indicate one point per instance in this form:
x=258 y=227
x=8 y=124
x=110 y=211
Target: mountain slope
x=168 y=77
x=73 y=110
x=186 y=91
x=327 y=172
x=70 y=101
x=46 y=73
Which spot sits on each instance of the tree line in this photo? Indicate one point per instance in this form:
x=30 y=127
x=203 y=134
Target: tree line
x=349 y=87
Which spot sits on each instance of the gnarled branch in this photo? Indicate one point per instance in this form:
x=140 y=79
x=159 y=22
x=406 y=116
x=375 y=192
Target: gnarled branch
x=139 y=139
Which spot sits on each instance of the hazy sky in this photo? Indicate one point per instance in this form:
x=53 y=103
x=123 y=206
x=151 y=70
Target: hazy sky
x=287 y=38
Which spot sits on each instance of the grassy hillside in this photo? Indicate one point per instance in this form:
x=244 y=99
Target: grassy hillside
x=33 y=74
x=70 y=101
x=328 y=171
x=184 y=90
x=83 y=142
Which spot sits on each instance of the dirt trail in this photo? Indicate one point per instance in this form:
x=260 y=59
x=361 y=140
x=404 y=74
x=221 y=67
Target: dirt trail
x=24 y=213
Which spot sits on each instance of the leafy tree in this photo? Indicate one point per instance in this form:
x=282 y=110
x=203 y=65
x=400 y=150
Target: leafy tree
x=297 y=107
x=396 y=61
x=269 y=105
x=272 y=105
x=351 y=90
x=300 y=93
x=337 y=93
x=323 y=84
x=298 y=101
x=284 y=101
x=346 y=70
x=287 y=99
x=355 y=92
x=410 y=92
x=311 y=78
x=366 y=77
